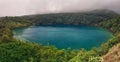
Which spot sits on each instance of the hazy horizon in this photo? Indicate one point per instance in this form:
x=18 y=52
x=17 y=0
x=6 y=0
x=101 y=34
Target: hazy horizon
x=28 y=7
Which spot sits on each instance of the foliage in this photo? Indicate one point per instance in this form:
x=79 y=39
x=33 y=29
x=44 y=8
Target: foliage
x=18 y=51
x=112 y=24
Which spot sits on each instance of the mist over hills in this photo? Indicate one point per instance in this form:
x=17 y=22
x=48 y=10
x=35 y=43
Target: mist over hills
x=28 y=7
x=97 y=11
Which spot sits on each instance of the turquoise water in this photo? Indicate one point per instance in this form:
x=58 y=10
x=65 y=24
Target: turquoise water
x=65 y=36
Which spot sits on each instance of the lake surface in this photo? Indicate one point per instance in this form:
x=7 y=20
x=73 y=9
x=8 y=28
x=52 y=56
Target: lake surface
x=65 y=36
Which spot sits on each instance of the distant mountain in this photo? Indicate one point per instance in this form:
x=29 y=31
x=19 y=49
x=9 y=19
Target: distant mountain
x=73 y=18
x=103 y=11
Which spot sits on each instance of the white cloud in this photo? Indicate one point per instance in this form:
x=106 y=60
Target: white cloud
x=21 y=7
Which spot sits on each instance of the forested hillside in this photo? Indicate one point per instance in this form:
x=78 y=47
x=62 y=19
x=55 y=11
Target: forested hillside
x=91 y=17
x=13 y=50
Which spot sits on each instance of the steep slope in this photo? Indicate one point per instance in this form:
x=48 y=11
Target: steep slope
x=113 y=55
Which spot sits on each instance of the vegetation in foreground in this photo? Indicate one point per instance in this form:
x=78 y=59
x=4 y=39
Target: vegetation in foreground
x=12 y=50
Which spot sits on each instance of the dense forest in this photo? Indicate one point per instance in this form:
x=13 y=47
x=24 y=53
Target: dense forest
x=14 y=50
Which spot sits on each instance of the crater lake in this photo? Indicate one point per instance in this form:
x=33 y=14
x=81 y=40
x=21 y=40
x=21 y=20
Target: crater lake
x=65 y=36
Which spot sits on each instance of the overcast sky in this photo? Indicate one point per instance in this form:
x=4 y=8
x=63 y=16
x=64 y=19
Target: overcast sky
x=25 y=7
